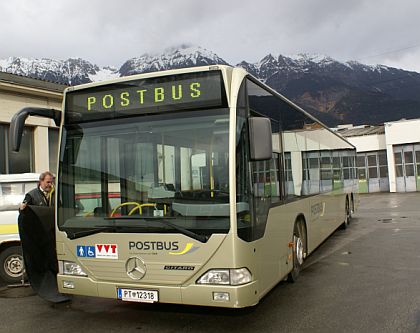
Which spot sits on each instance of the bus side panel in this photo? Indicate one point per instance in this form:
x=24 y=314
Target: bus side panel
x=274 y=253
x=326 y=213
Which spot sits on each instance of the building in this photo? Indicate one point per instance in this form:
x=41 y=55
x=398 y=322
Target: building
x=388 y=156
x=40 y=141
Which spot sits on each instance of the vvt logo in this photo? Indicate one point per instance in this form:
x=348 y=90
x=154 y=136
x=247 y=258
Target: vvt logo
x=101 y=251
x=106 y=251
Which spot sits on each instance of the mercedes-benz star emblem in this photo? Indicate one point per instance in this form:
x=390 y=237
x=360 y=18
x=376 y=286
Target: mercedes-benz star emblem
x=135 y=267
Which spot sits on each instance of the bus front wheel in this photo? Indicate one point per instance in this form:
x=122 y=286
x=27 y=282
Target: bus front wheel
x=299 y=250
x=11 y=264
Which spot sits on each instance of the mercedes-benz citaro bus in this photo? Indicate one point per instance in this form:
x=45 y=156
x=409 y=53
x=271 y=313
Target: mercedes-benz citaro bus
x=209 y=187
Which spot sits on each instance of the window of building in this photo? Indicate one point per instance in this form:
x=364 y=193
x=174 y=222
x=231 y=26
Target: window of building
x=53 y=148
x=16 y=162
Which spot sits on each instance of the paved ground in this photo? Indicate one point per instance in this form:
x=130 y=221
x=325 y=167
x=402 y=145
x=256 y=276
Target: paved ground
x=363 y=279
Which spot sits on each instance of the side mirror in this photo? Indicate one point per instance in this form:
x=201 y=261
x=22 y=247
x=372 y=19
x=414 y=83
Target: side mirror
x=18 y=122
x=261 y=146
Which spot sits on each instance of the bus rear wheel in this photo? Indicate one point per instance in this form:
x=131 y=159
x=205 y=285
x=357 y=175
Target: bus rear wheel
x=299 y=250
x=11 y=264
x=347 y=217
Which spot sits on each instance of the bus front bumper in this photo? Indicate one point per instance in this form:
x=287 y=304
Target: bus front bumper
x=195 y=294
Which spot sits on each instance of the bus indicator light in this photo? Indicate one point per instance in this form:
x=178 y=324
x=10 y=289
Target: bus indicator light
x=220 y=296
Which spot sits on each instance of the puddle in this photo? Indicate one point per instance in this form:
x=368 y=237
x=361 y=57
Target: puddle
x=389 y=220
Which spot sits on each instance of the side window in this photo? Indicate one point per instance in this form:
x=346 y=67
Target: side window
x=266 y=179
x=12 y=194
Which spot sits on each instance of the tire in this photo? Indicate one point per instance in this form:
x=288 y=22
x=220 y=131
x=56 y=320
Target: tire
x=351 y=207
x=299 y=250
x=347 y=217
x=11 y=264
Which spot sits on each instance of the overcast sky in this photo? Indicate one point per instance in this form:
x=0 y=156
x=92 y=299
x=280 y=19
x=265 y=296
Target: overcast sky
x=110 y=32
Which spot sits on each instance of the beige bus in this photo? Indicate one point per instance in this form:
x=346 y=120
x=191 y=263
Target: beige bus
x=197 y=186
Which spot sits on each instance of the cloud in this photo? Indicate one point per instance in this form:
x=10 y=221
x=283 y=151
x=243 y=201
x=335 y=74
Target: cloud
x=108 y=33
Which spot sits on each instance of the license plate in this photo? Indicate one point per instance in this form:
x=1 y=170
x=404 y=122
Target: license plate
x=138 y=295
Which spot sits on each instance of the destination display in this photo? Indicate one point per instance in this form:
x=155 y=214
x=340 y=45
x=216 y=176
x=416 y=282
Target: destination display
x=162 y=94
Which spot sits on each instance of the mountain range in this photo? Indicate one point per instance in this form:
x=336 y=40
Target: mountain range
x=333 y=91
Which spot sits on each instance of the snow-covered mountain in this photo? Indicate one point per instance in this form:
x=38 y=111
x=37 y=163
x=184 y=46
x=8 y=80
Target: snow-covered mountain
x=334 y=91
x=77 y=71
x=185 y=56
x=70 y=71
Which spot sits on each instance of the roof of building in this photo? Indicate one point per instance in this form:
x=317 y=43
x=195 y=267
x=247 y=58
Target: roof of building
x=361 y=131
x=31 y=82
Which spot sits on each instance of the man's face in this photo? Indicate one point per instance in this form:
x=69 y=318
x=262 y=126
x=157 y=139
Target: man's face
x=46 y=184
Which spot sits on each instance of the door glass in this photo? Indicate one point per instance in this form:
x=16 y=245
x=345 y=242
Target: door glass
x=409 y=170
x=371 y=160
x=398 y=158
x=362 y=173
x=373 y=172
x=383 y=171
x=408 y=157
x=361 y=161
x=399 y=170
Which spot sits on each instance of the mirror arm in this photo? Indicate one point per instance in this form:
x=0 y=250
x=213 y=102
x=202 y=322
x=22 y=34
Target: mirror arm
x=18 y=122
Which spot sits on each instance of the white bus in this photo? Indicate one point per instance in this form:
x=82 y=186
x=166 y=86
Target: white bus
x=12 y=191
x=220 y=187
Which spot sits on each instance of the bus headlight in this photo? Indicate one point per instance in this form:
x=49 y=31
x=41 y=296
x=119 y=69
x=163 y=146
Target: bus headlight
x=233 y=277
x=70 y=268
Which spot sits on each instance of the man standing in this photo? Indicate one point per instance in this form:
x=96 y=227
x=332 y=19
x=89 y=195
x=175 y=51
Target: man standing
x=37 y=234
x=42 y=194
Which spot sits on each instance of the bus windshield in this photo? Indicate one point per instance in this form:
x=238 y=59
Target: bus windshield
x=129 y=174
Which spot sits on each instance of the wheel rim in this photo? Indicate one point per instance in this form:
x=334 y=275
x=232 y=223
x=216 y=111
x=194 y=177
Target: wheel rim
x=13 y=265
x=299 y=250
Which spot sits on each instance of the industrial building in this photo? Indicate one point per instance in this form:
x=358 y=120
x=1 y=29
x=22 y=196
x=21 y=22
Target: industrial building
x=388 y=156
x=40 y=141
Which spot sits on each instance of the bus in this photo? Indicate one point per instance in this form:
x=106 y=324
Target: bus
x=220 y=187
x=12 y=191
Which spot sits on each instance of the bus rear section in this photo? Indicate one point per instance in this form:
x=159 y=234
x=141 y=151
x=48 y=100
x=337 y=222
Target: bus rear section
x=12 y=191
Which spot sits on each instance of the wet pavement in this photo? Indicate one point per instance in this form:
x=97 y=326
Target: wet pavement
x=363 y=279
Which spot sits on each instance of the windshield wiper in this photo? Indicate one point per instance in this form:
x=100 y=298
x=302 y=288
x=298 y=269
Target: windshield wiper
x=115 y=228
x=83 y=233
x=97 y=229
x=186 y=232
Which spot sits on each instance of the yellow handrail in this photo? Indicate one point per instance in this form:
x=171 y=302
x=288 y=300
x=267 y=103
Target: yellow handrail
x=140 y=206
x=125 y=204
